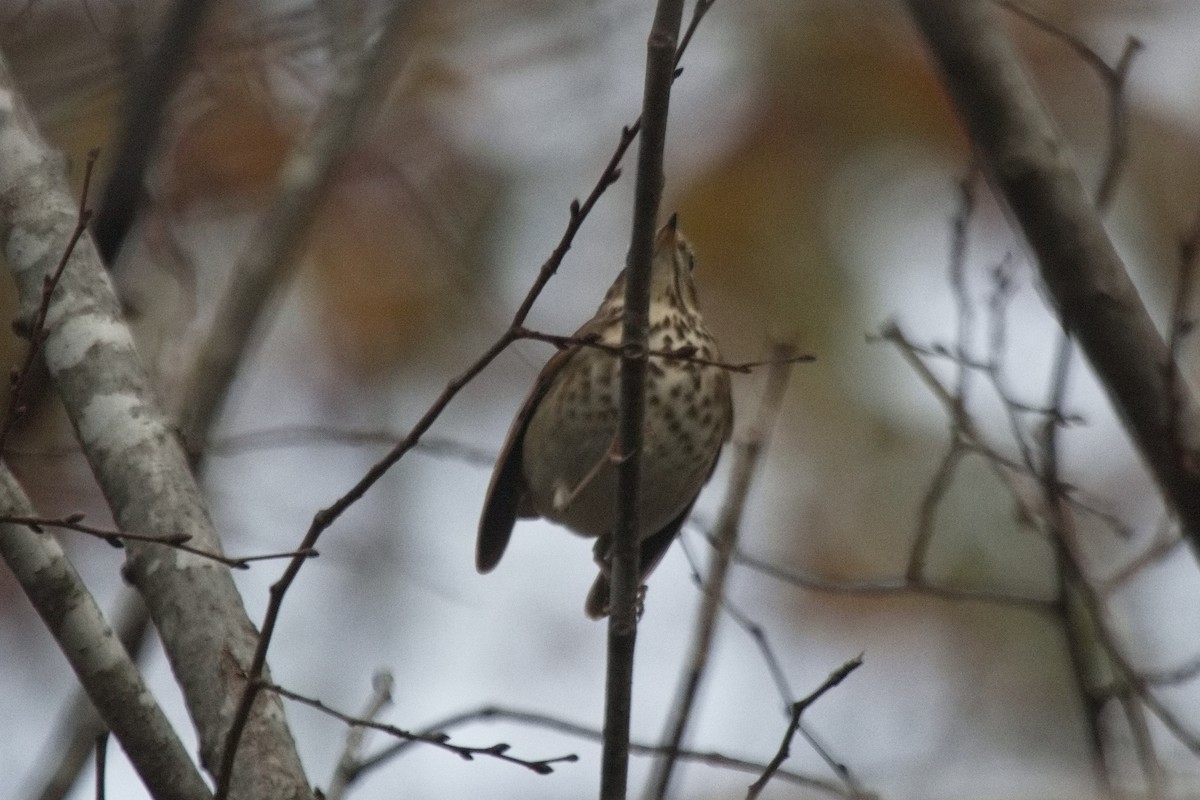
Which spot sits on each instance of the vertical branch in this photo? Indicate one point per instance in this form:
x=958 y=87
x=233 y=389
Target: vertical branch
x=622 y=625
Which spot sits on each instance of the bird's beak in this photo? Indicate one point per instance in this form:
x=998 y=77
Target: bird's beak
x=667 y=234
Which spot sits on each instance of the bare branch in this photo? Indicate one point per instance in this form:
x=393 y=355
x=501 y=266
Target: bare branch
x=495 y=713
x=381 y=697
x=1020 y=150
x=624 y=576
x=798 y=709
x=106 y=672
x=360 y=78
x=893 y=588
x=74 y=736
x=142 y=471
x=35 y=332
x=759 y=636
x=439 y=740
x=307 y=435
x=117 y=538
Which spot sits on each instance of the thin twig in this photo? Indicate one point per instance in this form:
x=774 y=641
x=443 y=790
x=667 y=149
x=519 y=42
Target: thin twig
x=939 y=484
x=685 y=354
x=101 y=764
x=286 y=436
x=1172 y=677
x=957 y=274
x=798 y=709
x=74 y=522
x=1164 y=543
x=548 y=722
x=1114 y=78
x=893 y=588
x=759 y=636
x=438 y=740
x=35 y=331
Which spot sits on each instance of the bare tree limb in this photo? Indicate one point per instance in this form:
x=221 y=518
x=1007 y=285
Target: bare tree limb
x=141 y=469
x=1020 y=150
x=75 y=735
x=105 y=670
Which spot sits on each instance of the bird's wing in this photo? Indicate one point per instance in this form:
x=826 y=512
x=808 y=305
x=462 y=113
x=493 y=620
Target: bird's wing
x=506 y=496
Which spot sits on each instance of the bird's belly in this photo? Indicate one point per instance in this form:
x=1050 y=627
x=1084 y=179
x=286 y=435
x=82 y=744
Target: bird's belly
x=572 y=478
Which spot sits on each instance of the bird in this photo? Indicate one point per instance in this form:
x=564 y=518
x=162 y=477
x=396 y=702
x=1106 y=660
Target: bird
x=560 y=458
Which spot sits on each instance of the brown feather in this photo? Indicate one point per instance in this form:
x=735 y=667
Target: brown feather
x=507 y=498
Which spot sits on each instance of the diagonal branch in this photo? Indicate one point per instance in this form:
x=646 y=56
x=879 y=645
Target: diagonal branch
x=798 y=709
x=137 y=461
x=1020 y=149
x=359 y=80
x=105 y=670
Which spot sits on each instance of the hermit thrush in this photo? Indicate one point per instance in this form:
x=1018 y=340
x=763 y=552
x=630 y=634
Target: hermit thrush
x=560 y=459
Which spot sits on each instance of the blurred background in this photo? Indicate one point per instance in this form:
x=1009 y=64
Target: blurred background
x=816 y=165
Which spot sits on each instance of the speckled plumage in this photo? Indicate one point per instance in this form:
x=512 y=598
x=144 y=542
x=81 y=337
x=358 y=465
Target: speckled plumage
x=555 y=463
